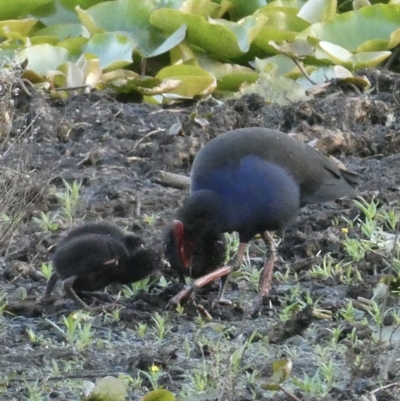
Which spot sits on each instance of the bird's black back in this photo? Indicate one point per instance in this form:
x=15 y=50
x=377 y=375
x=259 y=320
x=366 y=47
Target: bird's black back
x=131 y=241
x=319 y=178
x=96 y=260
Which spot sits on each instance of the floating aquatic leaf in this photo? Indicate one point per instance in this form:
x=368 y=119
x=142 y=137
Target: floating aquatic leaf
x=113 y=50
x=13 y=9
x=195 y=80
x=132 y=18
x=42 y=58
x=318 y=10
x=223 y=39
x=275 y=89
x=352 y=30
x=17 y=29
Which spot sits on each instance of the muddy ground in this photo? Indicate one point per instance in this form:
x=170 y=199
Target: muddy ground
x=116 y=150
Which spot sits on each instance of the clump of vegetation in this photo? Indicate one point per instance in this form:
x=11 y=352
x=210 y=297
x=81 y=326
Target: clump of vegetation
x=166 y=50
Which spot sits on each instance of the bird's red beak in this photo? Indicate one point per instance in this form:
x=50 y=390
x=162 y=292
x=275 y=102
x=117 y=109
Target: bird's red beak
x=184 y=252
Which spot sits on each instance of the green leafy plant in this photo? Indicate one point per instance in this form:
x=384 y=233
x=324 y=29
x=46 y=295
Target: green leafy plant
x=47 y=222
x=46 y=269
x=312 y=384
x=37 y=338
x=141 y=329
x=161 y=326
x=151 y=219
x=207 y=45
x=153 y=375
x=34 y=390
x=129 y=291
x=76 y=332
x=3 y=302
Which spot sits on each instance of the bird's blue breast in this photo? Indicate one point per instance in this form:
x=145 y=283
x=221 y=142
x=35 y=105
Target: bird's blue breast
x=255 y=194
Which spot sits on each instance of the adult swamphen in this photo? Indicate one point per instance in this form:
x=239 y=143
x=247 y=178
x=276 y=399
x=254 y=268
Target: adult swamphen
x=250 y=180
x=95 y=255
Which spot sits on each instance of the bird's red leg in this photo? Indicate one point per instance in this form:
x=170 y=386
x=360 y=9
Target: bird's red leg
x=236 y=263
x=266 y=276
x=198 y=283
x=223 y=272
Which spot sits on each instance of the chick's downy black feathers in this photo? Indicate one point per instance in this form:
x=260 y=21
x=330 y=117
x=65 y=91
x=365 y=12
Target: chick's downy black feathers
x=95 y=255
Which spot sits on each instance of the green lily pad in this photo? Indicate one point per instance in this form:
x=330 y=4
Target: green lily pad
x=182 y=53
x=343 y=57
x=275 y=89
x=131 y=17
x=369 y=59
x=124 y=81
x=297 y=49
x=71 y=4
x=283 y=18
x=283 y=64
x=114 y=50
x=283 y=24
x=55 y=13
x=287 y=3
x=88 y=21
x=352 y=30
x=71 y=76
x=229 y=76
x=43 y=58
x=242 y=8
x=50 y=40
x=86 y=71
x=204 y=8
x=12 y=9
x=17 y=29
x=324 y=74
x=318 y=11
x=337 y=54
x=74 y=46
x=223 y=39
x=194 y=80
x=62 y=31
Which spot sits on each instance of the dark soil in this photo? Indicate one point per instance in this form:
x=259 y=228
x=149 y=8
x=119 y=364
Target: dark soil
x=116 y=151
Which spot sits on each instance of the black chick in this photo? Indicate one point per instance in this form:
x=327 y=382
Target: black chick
x=95 y=255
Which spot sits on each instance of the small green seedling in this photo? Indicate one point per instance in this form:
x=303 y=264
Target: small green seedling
x=76 y=332
x=46 y=269
x=129 y=291
x=162 y=327
x=47 y=222
x=151 y=219
x=153 y=375
x=141 y=329
x=69 y=200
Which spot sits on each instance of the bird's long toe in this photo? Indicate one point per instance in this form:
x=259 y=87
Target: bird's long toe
x=178 y=298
